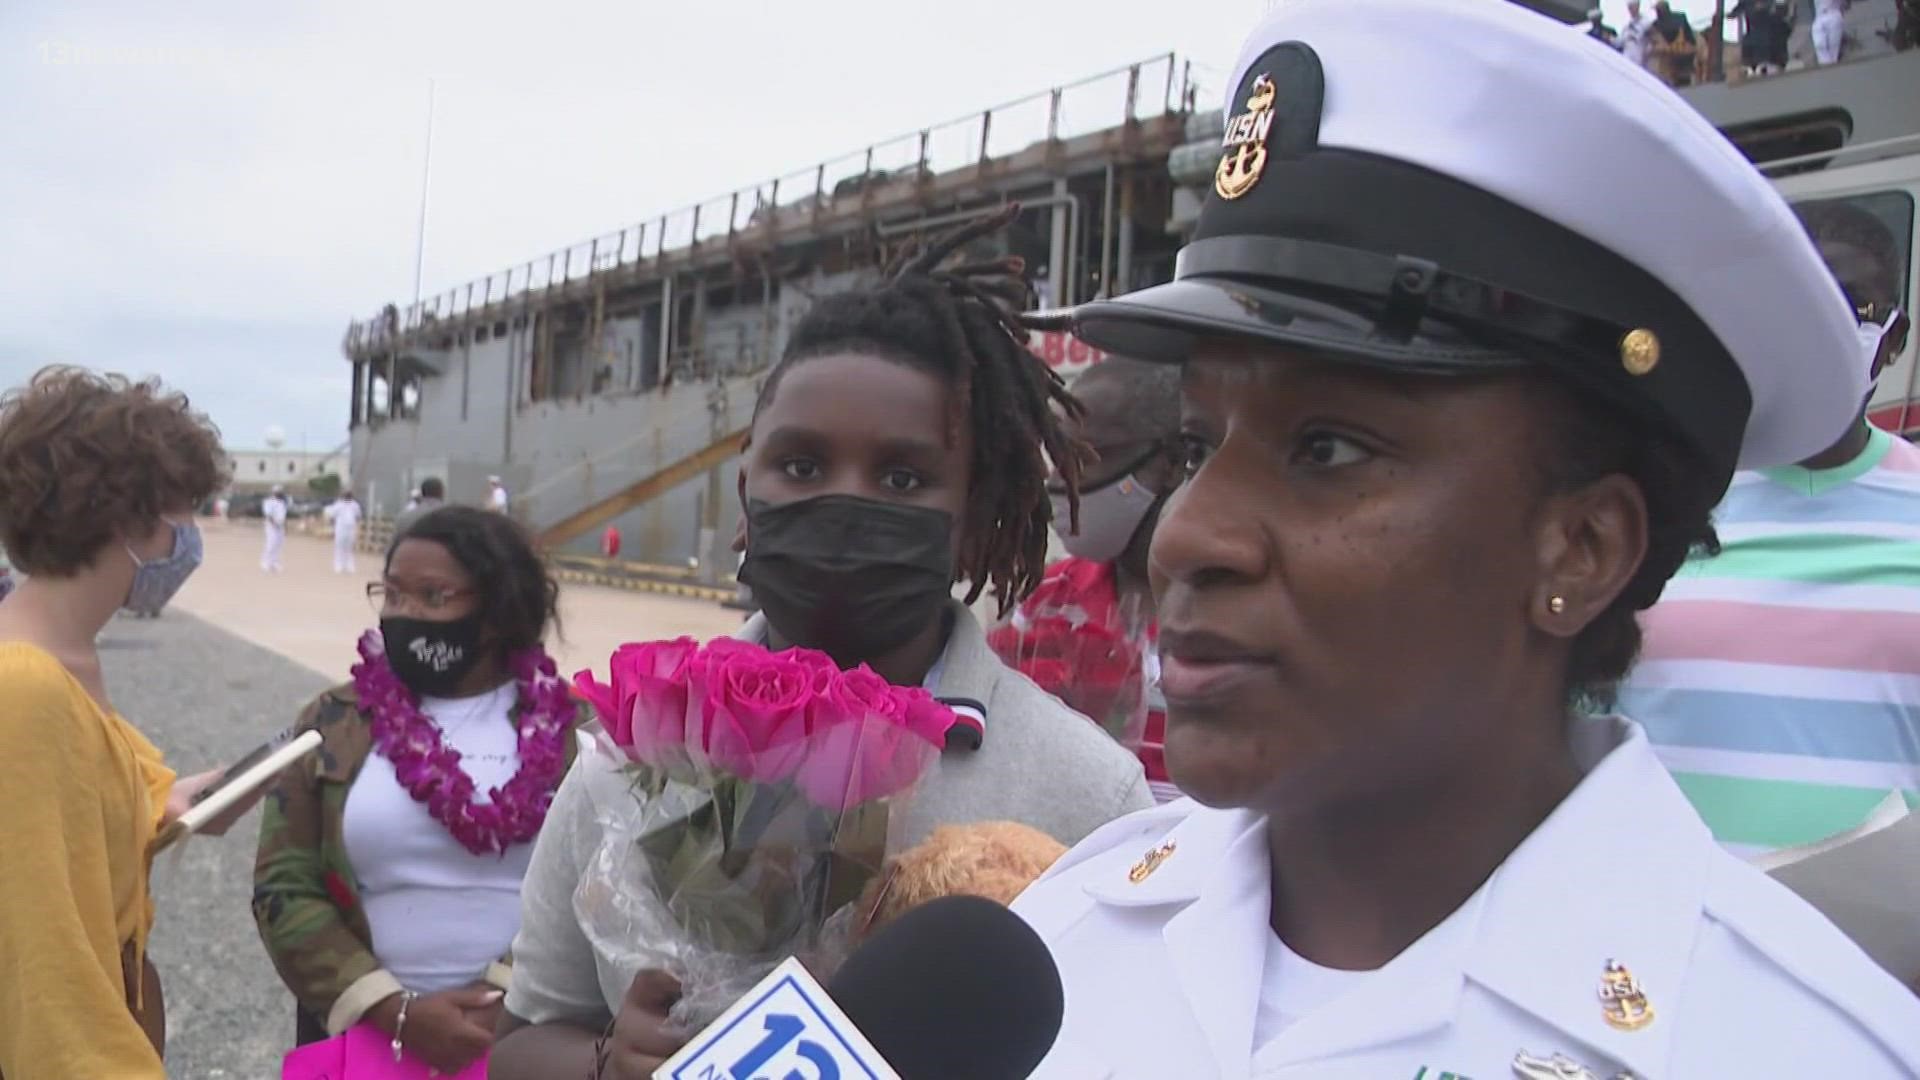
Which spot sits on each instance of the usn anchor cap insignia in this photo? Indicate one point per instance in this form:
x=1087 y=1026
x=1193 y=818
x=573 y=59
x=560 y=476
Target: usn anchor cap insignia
x=1150 y=862
x=1622 y=1003
x=1243 y=153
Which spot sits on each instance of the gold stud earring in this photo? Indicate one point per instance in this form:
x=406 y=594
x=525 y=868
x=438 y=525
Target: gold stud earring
x=1557 y=605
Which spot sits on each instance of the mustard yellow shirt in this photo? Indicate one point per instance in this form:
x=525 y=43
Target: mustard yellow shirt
x=81 y=794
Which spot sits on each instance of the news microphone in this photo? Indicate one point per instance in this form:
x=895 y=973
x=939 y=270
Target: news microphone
x=956 y=989
x=959 y=988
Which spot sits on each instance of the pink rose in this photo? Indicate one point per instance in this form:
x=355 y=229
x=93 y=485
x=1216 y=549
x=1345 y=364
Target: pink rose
x=604 y=699
x=645 y=707
x=925 y=716
x=861 y=692
x=819 y=667
x=870 y=740
x=747 y=710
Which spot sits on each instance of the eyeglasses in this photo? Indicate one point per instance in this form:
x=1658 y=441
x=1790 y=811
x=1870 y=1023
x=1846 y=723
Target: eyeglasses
x=385 y=596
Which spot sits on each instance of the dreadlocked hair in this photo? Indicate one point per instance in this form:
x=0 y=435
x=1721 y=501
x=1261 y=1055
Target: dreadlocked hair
x=961 y=325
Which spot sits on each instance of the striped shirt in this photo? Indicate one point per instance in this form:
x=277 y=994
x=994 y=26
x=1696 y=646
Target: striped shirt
x=1781 y=679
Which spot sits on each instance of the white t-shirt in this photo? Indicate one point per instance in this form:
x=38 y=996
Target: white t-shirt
x=275 y=511
x=498 y=500
x=439 y=913
x=1293 y=987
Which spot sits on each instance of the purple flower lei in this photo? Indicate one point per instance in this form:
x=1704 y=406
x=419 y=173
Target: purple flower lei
x=430 y=770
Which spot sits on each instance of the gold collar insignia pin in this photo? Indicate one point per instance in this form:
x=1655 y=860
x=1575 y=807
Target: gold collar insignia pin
x=1150 y=862
x=1623 y=1004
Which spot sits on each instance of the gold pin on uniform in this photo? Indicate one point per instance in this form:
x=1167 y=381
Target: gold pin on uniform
x=1640 y=351
x=1623 y=1004
x=1150 y=862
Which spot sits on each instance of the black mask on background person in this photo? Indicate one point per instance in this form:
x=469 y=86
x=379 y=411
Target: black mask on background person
x=432 y=658
x=849 y=576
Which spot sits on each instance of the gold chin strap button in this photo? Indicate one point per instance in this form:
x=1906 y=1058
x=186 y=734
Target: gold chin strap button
x=1150 y=862
x=1640 y=351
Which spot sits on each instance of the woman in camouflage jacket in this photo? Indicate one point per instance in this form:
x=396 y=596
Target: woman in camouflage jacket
x=386 y=886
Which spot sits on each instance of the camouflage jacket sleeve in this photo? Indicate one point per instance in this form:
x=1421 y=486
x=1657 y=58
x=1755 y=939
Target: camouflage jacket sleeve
x=304 y=898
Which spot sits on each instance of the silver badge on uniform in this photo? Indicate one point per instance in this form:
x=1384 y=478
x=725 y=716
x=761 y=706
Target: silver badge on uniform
x=1556 y=1067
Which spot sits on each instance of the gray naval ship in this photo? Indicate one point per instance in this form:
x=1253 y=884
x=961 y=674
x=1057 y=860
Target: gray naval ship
x=608 y=383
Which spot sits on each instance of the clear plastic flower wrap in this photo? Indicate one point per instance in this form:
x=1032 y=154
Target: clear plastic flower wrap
x=1079 y=643
x=764 y=787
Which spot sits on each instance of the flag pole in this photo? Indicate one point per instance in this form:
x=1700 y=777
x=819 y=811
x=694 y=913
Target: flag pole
x=426 y=177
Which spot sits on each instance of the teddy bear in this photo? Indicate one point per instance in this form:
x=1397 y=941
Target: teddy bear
x=992 y=859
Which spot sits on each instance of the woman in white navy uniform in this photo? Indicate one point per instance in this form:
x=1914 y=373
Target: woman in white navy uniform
x=1459 y=398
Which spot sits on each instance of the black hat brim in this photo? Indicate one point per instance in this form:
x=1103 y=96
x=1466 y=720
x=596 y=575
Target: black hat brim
x=1164 y=323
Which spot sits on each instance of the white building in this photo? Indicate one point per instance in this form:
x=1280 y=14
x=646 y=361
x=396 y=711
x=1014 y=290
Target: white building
x=258 y=470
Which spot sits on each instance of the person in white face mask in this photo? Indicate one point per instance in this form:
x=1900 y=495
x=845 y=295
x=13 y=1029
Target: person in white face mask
x=99 y=477
x=1087 y=633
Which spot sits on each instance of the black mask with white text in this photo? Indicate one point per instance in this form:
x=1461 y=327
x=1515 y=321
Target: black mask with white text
x=852 y=577
x=432 y=658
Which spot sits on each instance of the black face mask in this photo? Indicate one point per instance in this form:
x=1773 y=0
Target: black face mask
x=432 y=658
x=851 y=577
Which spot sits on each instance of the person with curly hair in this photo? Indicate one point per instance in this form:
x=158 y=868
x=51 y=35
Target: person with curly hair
x=99 y=476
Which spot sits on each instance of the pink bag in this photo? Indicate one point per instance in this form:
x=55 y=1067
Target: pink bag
x=364 y=1053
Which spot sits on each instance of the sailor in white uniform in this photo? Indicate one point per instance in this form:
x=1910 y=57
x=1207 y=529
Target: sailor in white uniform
x=1454 y=410
x=273 y=512
x=344 y=515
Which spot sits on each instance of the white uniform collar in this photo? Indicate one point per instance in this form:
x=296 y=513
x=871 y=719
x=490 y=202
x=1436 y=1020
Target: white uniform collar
x=1619 y=871
x=1616 y=872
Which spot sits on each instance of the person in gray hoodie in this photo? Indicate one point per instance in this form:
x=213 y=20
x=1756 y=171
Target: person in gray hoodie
x=899 y=447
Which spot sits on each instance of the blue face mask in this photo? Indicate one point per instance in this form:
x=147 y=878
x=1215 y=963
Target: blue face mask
x=156 y=580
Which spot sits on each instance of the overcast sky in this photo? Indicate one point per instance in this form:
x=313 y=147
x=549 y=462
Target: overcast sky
x=210 y=192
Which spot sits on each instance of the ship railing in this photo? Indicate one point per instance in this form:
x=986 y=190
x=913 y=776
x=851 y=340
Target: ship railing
x=1124 y=95
x=1898 y=144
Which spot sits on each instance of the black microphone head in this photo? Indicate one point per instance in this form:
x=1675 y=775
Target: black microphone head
x=959 y=988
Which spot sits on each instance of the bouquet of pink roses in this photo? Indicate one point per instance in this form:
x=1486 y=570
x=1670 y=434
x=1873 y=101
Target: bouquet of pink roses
x=764 y=783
